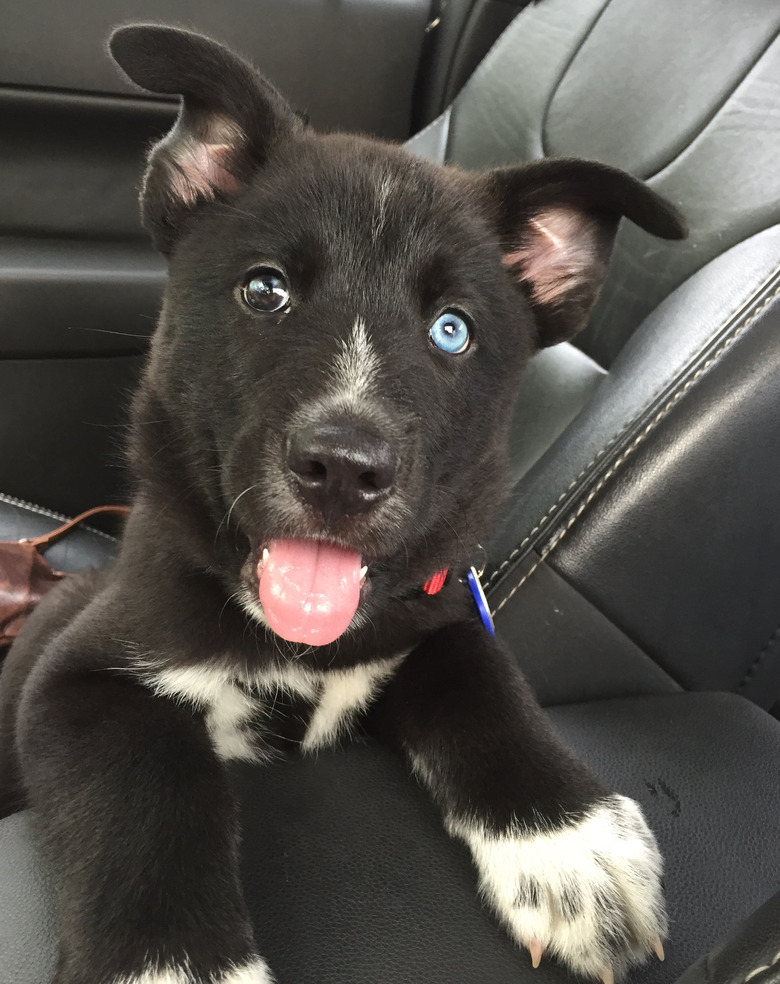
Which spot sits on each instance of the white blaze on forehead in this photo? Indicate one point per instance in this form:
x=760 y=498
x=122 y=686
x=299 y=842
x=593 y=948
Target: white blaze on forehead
x=357 y=364
x=384 y=189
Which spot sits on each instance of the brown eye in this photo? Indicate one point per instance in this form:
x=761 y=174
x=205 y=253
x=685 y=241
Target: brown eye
x=266 y=290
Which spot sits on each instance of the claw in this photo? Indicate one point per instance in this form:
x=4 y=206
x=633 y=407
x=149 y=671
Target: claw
x=658 y=947
x=608 y=976
x=536 y=949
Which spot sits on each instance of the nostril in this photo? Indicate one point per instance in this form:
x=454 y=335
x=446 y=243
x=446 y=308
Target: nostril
x=314 y=471
x=340 y=467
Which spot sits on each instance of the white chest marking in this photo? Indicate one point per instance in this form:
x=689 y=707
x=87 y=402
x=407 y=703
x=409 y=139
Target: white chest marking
x=229 y=707
x=345 y=693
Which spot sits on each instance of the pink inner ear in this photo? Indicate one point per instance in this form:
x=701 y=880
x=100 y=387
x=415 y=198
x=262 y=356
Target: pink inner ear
x=203 y=164
x=558 y=251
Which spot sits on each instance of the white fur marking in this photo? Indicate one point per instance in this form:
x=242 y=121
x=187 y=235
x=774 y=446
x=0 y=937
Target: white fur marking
x=356 y=365
x=168 y=975
x=227 y=708
x=225 y=719
x=574 y=888
x=254 y=972
x=383 y=194
x=338 y=695
x=345 y=693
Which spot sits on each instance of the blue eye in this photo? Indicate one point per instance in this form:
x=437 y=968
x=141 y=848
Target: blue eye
x=266 y=290
x=450 y=333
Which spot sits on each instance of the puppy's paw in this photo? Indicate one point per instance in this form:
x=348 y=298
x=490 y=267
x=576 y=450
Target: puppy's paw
x=254 y=972
x=588 y=893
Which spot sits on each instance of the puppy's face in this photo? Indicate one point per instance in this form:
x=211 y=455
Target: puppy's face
x=345 y=337
x=344 y=329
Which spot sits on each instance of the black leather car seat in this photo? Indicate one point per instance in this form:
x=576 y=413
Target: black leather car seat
x=638 y=560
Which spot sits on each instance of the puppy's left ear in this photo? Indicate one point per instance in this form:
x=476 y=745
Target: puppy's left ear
x=229 y=121
x=556 y=220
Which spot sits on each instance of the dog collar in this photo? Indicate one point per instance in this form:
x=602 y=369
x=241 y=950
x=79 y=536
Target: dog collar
x=436 y=582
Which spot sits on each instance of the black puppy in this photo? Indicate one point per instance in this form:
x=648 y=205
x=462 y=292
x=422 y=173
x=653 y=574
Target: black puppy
x=319 y=436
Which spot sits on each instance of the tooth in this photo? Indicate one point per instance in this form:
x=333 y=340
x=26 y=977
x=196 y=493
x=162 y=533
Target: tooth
x=363 y=572
x=608 y=976
x=536 y=949
x=266 y=555
x=658 y=947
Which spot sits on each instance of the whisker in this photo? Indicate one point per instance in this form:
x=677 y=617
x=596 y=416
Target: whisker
x=226 y=519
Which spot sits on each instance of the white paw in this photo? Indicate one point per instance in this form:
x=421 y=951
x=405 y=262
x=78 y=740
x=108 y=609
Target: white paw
x=254 y=972
x=588 y=893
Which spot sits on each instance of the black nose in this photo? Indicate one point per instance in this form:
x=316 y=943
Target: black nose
x=341 y=467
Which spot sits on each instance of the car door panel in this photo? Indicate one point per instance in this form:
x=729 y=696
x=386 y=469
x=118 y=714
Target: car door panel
x=79 y=283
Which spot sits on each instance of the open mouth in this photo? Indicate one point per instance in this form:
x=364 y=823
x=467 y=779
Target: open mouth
x=310 y=590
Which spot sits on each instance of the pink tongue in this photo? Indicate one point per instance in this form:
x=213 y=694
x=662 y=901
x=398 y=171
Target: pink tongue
x=309 y=590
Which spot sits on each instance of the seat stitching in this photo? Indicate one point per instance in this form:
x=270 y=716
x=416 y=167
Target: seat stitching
x=638 y=440
x=518 y=550
x=761 y=969
x=753 y=668
x=498 y=572
x=49 y=514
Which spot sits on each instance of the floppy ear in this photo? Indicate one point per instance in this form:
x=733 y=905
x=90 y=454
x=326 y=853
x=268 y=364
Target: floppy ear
x=229 y=121
x=557 y=220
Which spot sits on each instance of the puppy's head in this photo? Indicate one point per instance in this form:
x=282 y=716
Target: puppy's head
x=343 y=332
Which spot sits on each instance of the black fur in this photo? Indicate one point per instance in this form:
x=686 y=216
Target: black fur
x=133 y=799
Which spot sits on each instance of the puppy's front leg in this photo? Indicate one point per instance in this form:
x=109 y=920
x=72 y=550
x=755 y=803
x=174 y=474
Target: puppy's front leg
x=570 y=869
x=141 y=827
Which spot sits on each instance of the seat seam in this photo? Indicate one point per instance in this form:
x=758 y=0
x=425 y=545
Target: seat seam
x=714 y=113
x=754 y=666
x=429 y=126
x=486 y=64
x=632 y=422
x=551 y=511
x=638 y=440
x=759 y=970
x=559 y=82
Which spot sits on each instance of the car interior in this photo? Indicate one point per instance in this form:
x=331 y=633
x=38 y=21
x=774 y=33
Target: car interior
x=635 y=571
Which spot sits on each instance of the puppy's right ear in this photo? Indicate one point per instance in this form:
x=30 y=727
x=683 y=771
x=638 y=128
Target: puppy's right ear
x=229 y=121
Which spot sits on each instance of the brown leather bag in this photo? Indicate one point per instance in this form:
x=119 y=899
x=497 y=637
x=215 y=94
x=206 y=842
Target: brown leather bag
x=26 y=576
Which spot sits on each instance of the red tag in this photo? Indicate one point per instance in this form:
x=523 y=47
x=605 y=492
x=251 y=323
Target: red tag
x=435 y=582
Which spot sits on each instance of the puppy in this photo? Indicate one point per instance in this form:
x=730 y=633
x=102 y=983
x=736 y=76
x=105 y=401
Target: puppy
x=319 y=443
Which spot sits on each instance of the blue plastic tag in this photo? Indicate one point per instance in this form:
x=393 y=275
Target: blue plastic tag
x=480 y=600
